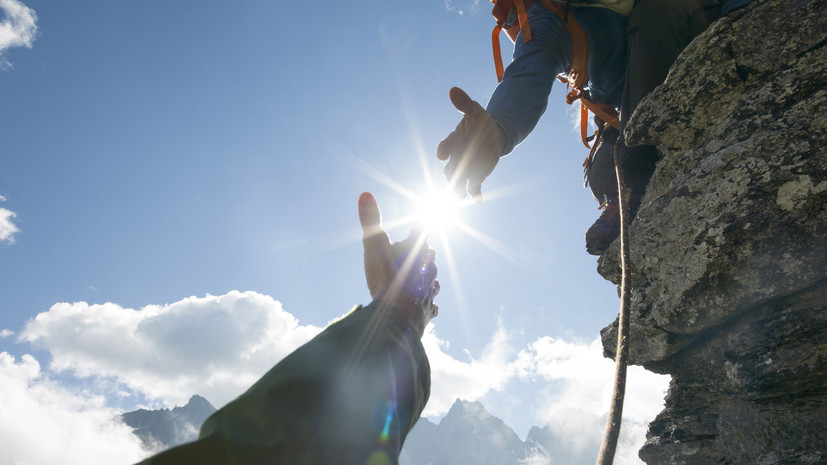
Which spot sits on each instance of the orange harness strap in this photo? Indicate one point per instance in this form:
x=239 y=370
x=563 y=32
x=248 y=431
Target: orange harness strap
x=579 y=68
x=498 y=58
x=605 y=112
x=501 y=11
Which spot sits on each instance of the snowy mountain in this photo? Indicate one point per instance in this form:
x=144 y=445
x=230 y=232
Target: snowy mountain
x=164 y=428
x=467 y=435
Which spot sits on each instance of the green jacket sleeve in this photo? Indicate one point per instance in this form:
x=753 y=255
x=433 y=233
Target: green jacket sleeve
x=349 y=396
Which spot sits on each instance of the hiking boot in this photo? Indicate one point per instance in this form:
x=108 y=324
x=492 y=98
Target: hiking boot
x=607 y=227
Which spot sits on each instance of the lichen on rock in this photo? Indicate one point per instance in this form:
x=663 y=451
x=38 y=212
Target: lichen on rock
x=729 y=247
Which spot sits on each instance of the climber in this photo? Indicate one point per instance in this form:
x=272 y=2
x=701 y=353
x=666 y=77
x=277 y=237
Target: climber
x=351 y=394
x=649 y=40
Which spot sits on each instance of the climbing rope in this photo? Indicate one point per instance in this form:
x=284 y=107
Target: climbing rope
x=607 y=449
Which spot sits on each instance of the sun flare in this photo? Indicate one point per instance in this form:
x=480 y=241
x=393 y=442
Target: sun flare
x=437 y=210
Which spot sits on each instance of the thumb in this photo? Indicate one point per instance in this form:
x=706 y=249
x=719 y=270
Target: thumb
x=370 y=217
x=377 y=244
x=463 y=102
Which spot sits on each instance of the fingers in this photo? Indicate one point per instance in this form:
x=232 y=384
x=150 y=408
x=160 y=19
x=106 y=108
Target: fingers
x=475 y=189
x=447 y=147
x=455 y=178
x=469 y=148
x=459 y=139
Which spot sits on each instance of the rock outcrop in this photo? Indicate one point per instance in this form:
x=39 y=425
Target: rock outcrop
x=729 y=248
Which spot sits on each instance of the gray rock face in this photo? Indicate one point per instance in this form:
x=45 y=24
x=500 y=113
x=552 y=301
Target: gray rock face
x=729 y=248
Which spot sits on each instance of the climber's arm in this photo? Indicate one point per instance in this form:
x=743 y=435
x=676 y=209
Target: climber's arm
x=352 y=393
x=474 y=148
x=520 y=99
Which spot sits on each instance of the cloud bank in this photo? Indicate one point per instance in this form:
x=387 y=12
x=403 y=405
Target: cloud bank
x=216 y=346
x=18 y=27
x=41 y=422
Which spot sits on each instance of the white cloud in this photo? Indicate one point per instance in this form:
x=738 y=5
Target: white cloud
x=585 y=379
x=469 y=5
x=582 y=381
x=43 y=423
x=216 y=346
x=470 y=380
x=7 y=227
x=18 y=27
x=5 y=333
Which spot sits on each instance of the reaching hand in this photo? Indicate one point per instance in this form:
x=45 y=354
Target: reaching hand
x=473 y=149
x=402 y=273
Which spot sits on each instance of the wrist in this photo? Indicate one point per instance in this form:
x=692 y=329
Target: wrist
x=408 y=310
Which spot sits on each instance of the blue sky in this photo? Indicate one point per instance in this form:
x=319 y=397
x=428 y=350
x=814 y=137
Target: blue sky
x=194 y=167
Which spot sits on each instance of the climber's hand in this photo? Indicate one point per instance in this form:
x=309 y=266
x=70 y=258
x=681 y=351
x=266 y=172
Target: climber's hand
x=402 y=274
x=473 y=149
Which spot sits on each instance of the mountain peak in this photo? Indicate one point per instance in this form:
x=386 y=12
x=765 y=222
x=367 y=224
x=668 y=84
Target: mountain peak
x=164 y=428
x=461 y=407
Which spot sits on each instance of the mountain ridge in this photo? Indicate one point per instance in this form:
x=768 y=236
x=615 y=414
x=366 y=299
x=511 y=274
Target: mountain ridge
x=164 y=428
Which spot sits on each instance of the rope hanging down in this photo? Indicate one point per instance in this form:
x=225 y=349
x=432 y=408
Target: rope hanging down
x=607 y=449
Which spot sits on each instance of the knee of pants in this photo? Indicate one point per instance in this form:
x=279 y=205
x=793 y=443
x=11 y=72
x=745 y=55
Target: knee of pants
x=670 y=17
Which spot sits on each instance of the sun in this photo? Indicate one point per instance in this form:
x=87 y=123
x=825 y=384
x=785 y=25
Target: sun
x=438 y=210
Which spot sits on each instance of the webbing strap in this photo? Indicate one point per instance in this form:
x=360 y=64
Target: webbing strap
x=584 y=124
x=498 y=57
x=605 y=112
x=522 y=15
x=502 y=9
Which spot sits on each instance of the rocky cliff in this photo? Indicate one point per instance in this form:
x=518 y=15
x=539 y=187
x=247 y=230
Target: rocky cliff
x=729 y=249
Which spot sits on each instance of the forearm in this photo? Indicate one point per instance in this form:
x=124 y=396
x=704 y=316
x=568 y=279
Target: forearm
x=520 y=99
x=353 y=391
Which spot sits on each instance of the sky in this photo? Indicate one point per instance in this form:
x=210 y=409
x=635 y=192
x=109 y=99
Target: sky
x=178 y=211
